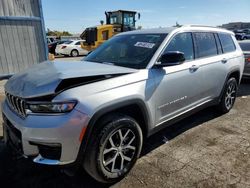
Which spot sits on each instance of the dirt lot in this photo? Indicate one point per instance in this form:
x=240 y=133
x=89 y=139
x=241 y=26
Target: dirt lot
x=205 y=150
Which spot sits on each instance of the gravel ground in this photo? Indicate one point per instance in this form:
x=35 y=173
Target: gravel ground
x=204 y=150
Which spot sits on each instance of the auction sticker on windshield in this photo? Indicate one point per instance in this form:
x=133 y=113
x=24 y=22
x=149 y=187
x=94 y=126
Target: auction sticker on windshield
x=145 y=44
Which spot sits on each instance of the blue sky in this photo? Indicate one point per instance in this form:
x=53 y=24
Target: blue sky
x=75 y=15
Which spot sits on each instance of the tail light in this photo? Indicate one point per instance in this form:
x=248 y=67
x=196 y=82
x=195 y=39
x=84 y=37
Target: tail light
x=248 y=59
x=64 y=47
x=50 y=46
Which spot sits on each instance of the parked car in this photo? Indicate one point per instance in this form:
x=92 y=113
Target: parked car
x=246 y=31
x=72 y=48
x=52 y=46
x=97 y=113
x=240 y=36
x=246 y=36
x=245 y=46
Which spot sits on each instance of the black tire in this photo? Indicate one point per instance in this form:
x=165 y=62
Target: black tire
x=229 y=96
x=74 y=53
x=100 y=151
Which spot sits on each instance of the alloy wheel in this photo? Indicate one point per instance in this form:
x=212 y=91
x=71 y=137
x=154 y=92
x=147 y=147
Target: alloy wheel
x=119 y=150
x=230 y=95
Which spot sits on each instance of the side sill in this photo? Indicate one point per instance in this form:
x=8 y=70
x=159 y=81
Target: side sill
x=182 y=116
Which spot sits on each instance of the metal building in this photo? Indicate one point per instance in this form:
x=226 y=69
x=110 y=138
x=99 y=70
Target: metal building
x=22 y=35
x=236 y=25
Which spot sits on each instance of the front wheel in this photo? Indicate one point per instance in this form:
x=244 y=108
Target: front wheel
x=115 y=149
x=229 y=96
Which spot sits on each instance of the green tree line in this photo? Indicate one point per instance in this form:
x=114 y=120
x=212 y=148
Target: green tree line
x=58 y=33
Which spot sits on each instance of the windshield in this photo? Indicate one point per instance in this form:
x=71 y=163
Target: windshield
x=133 y=51
x=245 y=46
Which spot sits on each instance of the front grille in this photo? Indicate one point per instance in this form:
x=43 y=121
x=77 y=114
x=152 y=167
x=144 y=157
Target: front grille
x=17 y=104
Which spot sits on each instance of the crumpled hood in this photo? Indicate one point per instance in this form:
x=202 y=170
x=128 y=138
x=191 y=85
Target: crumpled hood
x=47 y=78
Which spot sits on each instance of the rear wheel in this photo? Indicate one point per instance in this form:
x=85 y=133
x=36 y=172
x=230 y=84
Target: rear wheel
x=114 y=150
x=229 y=96
x=74 y=53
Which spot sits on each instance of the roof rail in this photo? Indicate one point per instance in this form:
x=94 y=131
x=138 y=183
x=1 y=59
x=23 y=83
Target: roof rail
x=204 y=26
x=193 y=25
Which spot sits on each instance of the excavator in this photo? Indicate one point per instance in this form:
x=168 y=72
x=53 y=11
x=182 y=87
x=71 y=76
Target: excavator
x=116 y=22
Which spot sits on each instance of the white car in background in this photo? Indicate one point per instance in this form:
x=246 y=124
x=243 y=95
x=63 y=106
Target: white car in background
x=72 y=48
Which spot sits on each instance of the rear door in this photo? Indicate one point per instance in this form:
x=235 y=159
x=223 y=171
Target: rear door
x=209 y=55
x=216 y=53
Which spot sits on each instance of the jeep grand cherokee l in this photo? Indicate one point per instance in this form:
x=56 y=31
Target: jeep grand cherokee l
x=96 y=113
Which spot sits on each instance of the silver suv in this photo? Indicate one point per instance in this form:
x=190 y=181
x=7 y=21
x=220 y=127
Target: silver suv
x=96 y=113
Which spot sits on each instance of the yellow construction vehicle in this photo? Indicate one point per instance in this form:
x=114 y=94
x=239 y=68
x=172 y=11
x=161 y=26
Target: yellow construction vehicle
x=116 y=22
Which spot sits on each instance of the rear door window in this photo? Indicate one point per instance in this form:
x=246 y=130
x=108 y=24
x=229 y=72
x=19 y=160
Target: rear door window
x=227 y=42
x=205 y=44
x=182 y=42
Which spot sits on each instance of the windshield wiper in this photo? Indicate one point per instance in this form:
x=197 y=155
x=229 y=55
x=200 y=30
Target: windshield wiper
x=102 y=62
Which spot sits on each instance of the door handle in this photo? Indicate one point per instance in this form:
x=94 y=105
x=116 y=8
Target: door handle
x=224 y=60
x=194 y=68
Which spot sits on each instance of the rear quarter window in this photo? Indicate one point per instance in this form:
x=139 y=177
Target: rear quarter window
x=227 y=42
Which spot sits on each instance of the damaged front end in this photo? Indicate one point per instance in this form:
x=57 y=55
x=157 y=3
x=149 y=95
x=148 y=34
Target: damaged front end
x=33 y=90
x=39 y=115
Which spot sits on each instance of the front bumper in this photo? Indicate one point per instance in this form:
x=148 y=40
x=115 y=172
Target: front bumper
x=59 y=132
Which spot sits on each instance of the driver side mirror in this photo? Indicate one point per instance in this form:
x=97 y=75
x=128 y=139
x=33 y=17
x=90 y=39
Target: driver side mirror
x=171 y=59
